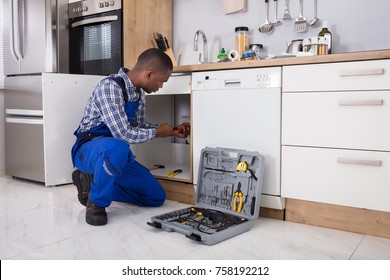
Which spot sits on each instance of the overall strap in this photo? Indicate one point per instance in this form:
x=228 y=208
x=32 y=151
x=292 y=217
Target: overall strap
x=101 y=130
x=121 y=82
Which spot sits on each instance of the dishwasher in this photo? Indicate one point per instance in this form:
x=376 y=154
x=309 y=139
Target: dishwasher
x=240 y=109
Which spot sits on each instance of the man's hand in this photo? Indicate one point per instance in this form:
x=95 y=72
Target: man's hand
x=164 y=130
x=182 y=130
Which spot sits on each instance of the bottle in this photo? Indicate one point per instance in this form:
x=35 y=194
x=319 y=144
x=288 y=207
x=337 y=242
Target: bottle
x=327 y=34
x=222 y=56
x=242 y=40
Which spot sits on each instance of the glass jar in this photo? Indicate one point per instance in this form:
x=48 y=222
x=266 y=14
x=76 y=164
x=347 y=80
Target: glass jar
x=242 y=40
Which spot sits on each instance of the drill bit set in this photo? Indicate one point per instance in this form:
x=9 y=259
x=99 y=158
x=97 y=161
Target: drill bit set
x=228 y=197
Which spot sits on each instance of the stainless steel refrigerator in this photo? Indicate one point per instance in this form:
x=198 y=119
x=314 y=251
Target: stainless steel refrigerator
x=35 y=44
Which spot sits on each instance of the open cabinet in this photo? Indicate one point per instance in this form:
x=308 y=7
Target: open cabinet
x=171 y=105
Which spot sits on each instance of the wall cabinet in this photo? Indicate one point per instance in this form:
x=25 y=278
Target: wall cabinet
x=335 y=134
x=141 y=18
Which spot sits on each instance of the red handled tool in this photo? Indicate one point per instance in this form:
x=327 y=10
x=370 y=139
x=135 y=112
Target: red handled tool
x=183 y=129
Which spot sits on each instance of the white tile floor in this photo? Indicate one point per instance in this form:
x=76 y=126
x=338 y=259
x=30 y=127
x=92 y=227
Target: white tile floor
x=47 y=223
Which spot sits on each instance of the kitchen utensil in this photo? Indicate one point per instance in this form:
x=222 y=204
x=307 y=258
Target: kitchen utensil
x=276 y=21
x=256 y=49
x=295 y=46
x=300 y=25
x=315 y=20
x=286 y=14
x=156 y=166
x=267 y=26
x=174 y=173
x=161 y=41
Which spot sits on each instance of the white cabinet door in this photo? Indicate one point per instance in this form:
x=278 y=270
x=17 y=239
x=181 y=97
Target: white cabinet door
x=64 y=100
x=360 y=75
x=177 y=84
x=354 y=120
x=342 y=177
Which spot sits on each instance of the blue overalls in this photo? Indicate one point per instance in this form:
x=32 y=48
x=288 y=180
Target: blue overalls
x=117 y=176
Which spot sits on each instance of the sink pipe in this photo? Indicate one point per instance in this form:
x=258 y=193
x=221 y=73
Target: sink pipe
x=205 y=49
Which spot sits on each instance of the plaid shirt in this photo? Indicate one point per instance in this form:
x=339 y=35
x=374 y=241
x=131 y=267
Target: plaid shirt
x=106 y=104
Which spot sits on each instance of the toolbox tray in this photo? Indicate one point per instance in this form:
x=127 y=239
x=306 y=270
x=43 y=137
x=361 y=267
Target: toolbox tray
x=227 y=198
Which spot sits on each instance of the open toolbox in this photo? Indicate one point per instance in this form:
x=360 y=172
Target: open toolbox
x=227 y=198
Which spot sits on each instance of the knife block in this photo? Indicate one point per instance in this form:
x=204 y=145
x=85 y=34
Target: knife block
x=169 y=52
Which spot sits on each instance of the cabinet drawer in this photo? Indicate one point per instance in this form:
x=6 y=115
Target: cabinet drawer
x=177 y=84
x=342 y=177
x=355 y=120
x=362 y=75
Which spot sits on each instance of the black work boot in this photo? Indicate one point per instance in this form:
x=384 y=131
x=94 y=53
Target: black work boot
x=83 y=183
x=95 y=215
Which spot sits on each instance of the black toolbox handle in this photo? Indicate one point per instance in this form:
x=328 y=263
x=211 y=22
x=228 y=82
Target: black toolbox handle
x=194 y=236
x=155 y=224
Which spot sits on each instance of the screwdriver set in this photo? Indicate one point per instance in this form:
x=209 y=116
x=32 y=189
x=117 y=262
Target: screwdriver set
x=227 y=198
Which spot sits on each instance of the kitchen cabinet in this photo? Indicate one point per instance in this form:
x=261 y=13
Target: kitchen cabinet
x=335 y=134
x=141 y=18
x=171 y=105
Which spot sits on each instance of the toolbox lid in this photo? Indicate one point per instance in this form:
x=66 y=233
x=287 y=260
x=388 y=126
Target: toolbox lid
x=230 y=181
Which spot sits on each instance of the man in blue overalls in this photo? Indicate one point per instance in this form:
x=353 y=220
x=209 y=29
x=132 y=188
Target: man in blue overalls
x=114 y=118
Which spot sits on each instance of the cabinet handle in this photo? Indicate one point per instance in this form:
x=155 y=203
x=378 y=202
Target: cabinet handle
x=94 y=20
x=366 y=102
x=361 y=72
x=22 y=112
x=24 y=121
x=366 y=162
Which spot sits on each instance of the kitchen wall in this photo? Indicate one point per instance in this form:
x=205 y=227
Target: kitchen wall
x=357 y=25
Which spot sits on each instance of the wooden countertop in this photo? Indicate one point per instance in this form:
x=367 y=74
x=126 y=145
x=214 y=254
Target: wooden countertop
x=340 y=57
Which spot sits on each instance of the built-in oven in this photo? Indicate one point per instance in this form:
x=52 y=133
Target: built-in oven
x=95 y=37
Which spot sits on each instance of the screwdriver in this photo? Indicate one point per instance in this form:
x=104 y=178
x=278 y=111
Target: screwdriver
x=174 y=173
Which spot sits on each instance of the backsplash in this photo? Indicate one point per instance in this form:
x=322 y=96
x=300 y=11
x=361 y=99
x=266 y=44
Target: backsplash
x=352 y=25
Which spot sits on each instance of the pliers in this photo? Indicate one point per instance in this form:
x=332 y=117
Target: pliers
x=237 y=201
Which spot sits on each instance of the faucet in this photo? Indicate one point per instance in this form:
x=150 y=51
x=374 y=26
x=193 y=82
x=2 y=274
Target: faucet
x=205 y=49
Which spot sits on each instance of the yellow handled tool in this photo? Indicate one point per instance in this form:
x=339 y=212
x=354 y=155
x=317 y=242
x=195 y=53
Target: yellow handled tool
x=242 y=166
x=173 y=173
x=237 y=201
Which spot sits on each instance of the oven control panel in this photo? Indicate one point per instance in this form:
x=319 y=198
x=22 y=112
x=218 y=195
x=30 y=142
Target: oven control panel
x=91 y=7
